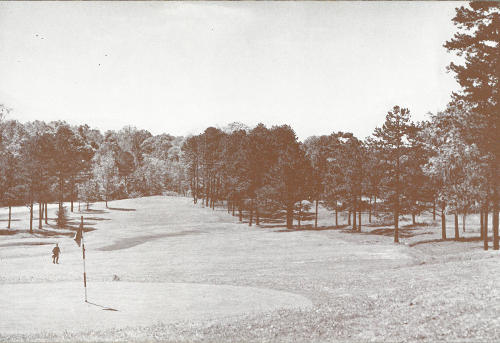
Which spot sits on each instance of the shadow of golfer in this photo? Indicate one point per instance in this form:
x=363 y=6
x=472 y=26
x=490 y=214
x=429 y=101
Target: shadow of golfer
x=104 y=308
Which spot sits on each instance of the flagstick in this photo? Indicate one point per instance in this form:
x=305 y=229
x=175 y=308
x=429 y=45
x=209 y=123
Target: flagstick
x=84 y=271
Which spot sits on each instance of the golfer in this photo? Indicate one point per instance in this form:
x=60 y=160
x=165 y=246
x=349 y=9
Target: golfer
x=55 y=254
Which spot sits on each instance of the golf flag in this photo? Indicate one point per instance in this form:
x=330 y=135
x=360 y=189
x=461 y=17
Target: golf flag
x=79 y=240
x=78 y=236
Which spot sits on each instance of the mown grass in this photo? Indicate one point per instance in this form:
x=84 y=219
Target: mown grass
x=362 y=285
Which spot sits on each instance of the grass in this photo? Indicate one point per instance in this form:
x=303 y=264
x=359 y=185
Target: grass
x=352 y=286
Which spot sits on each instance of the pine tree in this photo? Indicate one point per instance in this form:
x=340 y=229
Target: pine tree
x=393 y=138
x=478 y=42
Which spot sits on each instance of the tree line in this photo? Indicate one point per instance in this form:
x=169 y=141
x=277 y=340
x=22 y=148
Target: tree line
x=447 y=164
x=43 y=163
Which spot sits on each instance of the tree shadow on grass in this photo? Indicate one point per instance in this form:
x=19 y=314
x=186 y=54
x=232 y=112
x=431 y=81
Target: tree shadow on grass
x=95 y=218
x=68 y=226
x=77 y=221
x=121 y=209
x=310 y=227
x=378 y=224
x=86 y=228
x=9 y=232
x=271 y=220
x=37 y=232
x=266 y=220
x=403 y=232
x=49 y=233
x=94 y=211
x=417 y=225
x=307 y=216
x=271 y=226
x=462 y=239
x=15 y=244
x=389 y=232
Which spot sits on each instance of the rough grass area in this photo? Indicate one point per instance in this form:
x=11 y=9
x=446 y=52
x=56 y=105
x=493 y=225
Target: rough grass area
x=182 y=273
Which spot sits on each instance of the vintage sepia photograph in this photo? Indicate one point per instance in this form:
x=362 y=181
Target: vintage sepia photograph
x=247 y=171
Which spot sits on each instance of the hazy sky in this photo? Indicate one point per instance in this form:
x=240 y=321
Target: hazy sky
x=180 y=67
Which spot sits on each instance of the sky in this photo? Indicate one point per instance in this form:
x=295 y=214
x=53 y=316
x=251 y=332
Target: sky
x=178 y=68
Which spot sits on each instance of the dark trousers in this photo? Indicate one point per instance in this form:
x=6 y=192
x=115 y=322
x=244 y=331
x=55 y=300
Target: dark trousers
x=55 y=259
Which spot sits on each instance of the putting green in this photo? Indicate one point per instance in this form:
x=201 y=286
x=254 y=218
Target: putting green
x=58 y=307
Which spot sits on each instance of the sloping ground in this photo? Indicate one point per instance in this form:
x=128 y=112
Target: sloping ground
x=361 y=286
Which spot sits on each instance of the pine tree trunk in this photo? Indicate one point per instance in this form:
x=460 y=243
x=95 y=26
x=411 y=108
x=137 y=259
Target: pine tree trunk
x=10 y=216
x=46 y=217
x=359 y=220
x=354 y=209
x=40 y=214
x=495 y=210
x=316 y=215
x=457 y=231
x=299 y=217
x=463 y=221
x=396 y=224
x=349 y=218
x=195 y=195
x=413 y=219
x=257 y=218
x=289 y=216
x=443 y=224
x=481 y=219
x=397 y=191
x=434 y=210
x=239 y=211
x=486 y=210
x=61 y=192
x=207 y=195
x=233 y=207
x=214 y=196
x=251 y=214
x=370 y=211
x=210 y=194
x=31 y=218
x=336 y=217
